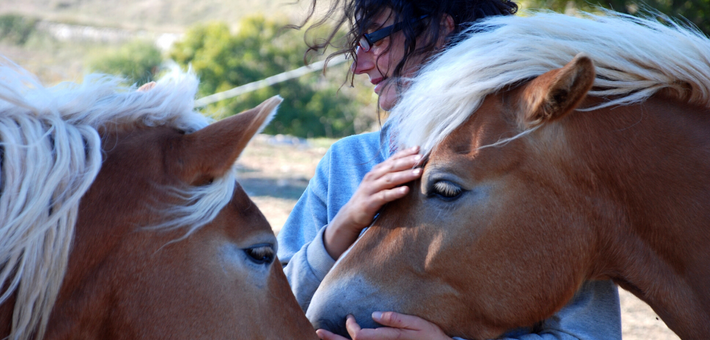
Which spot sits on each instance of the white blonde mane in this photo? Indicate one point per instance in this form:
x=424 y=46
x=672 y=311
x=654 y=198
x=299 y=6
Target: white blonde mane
x=50 y=153
x=634 y=58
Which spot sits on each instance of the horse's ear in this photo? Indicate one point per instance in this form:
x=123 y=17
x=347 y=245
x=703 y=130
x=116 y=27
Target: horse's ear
x=558 y=92
x=210 y=152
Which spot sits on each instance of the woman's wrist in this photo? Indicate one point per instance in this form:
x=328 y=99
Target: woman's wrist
x=339 y=235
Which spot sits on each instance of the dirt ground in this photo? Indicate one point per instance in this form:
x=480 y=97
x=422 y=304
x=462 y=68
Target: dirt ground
x=275 y=170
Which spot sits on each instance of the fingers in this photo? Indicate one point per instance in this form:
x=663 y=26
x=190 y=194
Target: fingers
x=387 y=188
x=358 y=333
x=385 y=333
x=326 y=335
x=388 y=195
x=146 y=87
x=401 y=326
x=393 y=172
x=394 y=177
x=372 y=195
x=351 y=325
x=398 y=320
x=381 y=185
x=403 y=160
x=353 y=329
x=406 y=152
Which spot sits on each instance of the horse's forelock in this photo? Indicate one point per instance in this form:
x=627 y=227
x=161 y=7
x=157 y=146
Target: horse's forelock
x=634 y=59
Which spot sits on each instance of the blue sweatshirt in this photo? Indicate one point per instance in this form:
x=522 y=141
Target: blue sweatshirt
x=594 y=312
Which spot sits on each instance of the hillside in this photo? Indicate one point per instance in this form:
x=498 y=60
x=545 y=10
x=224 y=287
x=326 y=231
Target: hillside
x=151 y=15
x=72 y=31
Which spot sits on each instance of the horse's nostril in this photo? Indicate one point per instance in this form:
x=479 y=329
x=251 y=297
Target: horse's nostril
x=332 y=326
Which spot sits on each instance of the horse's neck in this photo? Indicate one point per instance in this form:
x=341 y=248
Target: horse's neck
x=653 y=162
x=658 y=147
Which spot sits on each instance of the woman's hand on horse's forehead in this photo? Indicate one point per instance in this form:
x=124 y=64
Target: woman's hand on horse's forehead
x=384 y=183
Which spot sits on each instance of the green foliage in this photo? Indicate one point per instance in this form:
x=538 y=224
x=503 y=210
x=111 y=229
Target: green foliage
x=261 y=48
x=16 y=29
x=696 y=12
x=137 y=61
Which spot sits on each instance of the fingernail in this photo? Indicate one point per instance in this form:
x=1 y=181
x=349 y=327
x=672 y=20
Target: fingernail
x=418 y=157
x=417 y=171
x=376 y=315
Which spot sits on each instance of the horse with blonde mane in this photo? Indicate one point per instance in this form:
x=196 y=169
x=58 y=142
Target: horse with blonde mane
x=558 y=150
x=120 y=217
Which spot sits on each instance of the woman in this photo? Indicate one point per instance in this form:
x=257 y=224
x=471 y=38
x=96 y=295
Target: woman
x=389 y=41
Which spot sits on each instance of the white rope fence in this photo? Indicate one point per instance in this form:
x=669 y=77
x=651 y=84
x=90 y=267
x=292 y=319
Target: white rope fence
x=281 y=77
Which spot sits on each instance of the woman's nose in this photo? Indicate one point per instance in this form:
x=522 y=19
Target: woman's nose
x=363 y=62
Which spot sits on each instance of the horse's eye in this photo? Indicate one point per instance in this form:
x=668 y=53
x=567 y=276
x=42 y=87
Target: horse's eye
x=260 y=254
x=445 y=190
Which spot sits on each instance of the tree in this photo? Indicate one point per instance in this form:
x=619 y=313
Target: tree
x=16 y=29
x=694 y=12
x=138 y=61
x=313 y=105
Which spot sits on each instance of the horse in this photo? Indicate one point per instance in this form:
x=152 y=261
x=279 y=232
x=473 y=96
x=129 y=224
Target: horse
x=558 y=150
x=121 y=216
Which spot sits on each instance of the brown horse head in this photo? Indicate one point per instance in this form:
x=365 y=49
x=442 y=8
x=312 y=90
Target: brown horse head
x=166 y=243
x=527 y=198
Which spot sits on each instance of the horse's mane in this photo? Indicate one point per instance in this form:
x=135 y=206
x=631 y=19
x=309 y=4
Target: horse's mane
x=634 y=58
x=50 y=153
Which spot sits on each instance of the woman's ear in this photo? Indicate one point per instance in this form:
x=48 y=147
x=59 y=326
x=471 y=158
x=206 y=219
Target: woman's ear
x=446 y=27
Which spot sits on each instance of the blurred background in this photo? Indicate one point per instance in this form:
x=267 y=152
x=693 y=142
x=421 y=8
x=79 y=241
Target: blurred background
x=228 y=43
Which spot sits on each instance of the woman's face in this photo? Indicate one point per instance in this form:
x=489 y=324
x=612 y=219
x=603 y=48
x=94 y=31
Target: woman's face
x=380 y=61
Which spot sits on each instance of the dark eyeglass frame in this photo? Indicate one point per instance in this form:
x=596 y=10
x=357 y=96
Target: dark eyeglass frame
x=368 y=40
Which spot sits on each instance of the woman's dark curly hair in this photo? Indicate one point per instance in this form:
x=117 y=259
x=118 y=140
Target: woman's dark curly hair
x=360 y=16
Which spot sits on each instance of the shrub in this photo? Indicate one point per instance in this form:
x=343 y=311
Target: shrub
x=138 y=61
x=16 y=29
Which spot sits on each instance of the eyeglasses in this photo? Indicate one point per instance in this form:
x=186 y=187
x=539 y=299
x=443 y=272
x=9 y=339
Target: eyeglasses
x=368 y=40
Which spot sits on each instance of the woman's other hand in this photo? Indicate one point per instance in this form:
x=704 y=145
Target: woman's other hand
x=384 y=183
x=399 y=326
